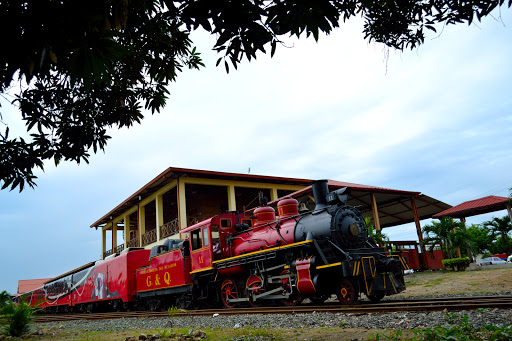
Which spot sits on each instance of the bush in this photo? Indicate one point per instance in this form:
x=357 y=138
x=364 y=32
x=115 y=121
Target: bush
x=5 y=298
x=456 y=264
x=16 y=317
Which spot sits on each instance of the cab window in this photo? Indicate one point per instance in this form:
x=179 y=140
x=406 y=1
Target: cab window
x=247 y=221
x=195 y=239
x=205 y=237
x=225 y=223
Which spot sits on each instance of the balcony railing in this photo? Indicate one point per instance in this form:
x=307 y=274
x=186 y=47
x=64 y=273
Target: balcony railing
x=133 y=242
x=119 y=248
x=107 y=253
x=149 y=237
x=170 y=228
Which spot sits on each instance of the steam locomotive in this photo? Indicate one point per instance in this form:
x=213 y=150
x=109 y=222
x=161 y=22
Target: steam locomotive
x=235 y=258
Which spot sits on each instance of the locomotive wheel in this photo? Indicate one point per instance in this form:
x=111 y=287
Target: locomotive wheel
x=295 y=297
x=375 y=298
x=153 y=304
x=252 y=283
x=347 y=292
x=228 y=290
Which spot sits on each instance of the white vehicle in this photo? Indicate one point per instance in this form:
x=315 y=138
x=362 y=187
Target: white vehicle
x=509 y=259
x=492 y=260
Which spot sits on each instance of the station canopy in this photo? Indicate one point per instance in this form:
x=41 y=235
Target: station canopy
x=394 y=206
x=471 y=208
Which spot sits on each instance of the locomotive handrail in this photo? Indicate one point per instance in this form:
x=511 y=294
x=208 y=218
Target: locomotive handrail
x=278 y=248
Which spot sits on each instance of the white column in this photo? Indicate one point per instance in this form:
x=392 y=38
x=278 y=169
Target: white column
x=231 y=198
x=159 y=204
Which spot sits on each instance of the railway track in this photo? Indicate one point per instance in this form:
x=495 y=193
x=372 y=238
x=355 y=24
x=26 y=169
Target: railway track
x=433 y=304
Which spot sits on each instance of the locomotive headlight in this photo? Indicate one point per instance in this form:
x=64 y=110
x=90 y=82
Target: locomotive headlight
x=354 y=229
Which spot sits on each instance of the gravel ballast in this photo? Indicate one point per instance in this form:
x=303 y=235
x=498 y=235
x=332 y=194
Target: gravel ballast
x=395 y=320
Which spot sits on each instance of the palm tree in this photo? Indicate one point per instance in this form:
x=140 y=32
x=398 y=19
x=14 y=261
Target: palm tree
x=378 y=237
x=501 y=227
x=451 y=234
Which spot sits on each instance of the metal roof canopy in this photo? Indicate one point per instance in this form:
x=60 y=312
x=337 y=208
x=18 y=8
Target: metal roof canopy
x=173 y=173
x=394 y=206
x=471 y=208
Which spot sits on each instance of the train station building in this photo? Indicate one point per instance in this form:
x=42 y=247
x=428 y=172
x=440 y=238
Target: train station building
x=178 y=198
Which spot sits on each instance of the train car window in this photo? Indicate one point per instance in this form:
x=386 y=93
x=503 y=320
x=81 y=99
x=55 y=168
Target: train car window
x=247 y=221
x=205 y=237
x=225 y=223
x=195 y=239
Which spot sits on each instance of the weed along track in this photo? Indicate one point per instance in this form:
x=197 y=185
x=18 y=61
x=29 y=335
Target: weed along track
x=431 y=304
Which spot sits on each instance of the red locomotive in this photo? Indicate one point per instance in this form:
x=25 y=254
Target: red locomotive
x=236 y=258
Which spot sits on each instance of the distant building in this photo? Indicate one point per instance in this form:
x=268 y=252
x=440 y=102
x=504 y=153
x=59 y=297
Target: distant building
x=179 y=197
x=26 y=285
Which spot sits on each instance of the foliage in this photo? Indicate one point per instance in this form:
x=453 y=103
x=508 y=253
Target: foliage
x=5 y=298
x=480 y=238
x=378 y=237
x=16 y=317
x=500 y=227
x=81 y=67
x=448 y=232
x=173 y=311
x=456 y=264
x=460 y=329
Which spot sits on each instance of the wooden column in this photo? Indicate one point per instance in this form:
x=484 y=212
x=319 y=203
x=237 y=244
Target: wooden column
x=103 y=242
x=416 y=219
x=375 y=212
x=273 y=194
x=126 y=230
x=470 y=254
x=159 y=205
x=142 y=223
x=509 y=210
x=114 y=236
x=182 y=205
x=231 y=198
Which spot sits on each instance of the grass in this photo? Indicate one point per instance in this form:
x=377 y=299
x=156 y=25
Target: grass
x=221 y=334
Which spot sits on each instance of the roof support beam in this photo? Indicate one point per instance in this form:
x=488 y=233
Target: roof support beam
x=182 y=205
x=159 y=206
x=103 y=243
x=142 y=223
x=126 y=230
x=114 y=236
x=231 y=198
x=375 y=212
x=416 y=219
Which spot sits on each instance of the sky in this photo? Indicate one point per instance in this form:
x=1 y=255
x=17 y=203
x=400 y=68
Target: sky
x=437 y=120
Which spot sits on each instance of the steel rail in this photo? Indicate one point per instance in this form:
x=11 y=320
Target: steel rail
x=433 y=304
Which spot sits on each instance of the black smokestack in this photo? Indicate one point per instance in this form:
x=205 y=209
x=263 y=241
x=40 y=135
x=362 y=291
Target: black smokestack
x=320 y=191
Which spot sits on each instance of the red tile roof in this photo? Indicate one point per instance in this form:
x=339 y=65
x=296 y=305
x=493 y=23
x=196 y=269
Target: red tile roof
x=470 y=208
x=26 y=285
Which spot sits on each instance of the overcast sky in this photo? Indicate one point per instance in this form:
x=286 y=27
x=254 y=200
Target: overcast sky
x=436 y=120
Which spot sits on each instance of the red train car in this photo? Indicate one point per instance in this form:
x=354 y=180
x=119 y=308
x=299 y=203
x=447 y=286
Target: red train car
x=95 y=285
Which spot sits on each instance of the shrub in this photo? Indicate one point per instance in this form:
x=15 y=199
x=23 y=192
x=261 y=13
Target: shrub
x=456 y=264
x=16 y=317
